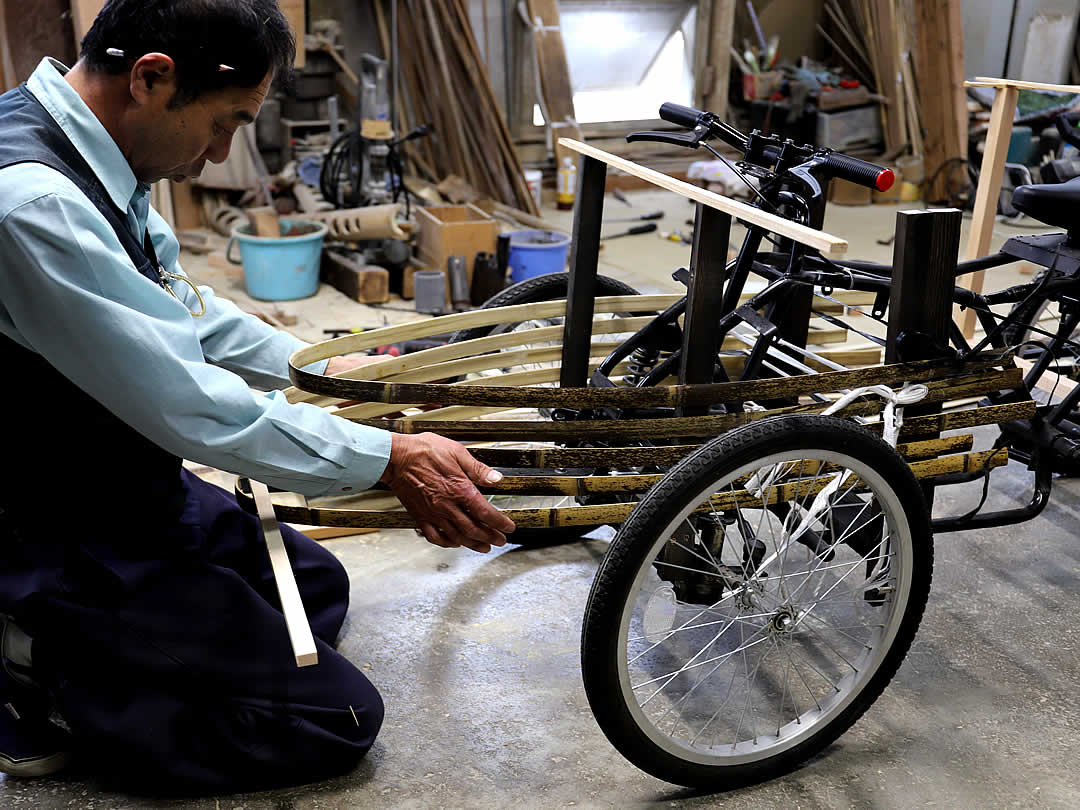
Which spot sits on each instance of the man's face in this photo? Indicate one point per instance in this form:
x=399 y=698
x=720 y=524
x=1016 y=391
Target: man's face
x=178 y=142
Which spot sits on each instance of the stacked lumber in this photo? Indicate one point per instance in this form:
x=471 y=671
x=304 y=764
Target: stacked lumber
x=912 y=53
x=444 y=81
x=942 y=100
x=555 y=86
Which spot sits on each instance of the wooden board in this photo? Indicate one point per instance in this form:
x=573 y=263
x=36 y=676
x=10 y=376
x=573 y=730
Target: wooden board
x=986 y=195
x=1049 y=382
x=554 y=69
x=292 y=606
x=659 y=396
x=83 y=13
x=718 y=70
x=295 y=13
x=832 y=246
x=984 y=81
x=617 y=513
x=942 y=103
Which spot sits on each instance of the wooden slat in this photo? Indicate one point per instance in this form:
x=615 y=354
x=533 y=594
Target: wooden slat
x=985 y=81
x=828 y=244
x=349 y=344
x=656 y=396
x=554 y=70
x=986 y=195
x=292 y=606
x=957 y=420
x=617 y=513
x=628 y=457
x=662 y=428
x=723 y=27
x=941 y=95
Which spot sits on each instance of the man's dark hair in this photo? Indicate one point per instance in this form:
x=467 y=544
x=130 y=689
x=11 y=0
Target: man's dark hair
x=250 y=36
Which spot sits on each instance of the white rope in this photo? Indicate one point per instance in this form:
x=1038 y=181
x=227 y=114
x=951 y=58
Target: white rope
x=894 y=405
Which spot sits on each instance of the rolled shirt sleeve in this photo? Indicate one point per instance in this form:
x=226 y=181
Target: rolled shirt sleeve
x=69 y=292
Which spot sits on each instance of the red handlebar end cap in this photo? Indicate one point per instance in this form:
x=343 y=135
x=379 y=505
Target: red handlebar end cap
x=885 y=180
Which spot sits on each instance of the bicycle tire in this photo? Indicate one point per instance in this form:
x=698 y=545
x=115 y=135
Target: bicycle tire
x=611 y=656
x=549 y=287
x=531 y=291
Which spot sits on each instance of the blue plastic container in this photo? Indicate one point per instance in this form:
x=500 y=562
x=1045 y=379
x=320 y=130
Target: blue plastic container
x=537 y=253
x=280 y=269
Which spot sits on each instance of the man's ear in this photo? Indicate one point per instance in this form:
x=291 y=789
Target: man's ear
x=153 y=78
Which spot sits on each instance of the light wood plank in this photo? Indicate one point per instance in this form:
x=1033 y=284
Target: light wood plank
x=1049 y=382
x=985 y=81
x=986 y=196
x=296 y=621
x=828 y=244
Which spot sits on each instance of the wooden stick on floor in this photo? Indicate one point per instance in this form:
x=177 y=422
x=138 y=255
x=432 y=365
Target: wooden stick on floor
x=296 y=621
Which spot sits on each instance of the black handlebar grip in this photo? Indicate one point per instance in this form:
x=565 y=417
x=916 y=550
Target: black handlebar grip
x=678 y=114
x=861 y=172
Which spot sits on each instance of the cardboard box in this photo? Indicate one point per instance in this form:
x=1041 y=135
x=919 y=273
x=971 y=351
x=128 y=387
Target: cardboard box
x=454 y=230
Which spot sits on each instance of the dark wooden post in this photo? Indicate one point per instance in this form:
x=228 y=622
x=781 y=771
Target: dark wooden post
x=584 y=256
x=924 y=274
x=708 y=260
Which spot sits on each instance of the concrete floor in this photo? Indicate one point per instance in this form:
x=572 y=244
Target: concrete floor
x=477 y=657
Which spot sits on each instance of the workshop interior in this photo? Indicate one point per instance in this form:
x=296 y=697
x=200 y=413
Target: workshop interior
x=768 y=314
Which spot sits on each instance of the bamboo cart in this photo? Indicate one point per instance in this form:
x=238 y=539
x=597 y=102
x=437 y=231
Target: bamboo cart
x=694 y=471
x=501 y=389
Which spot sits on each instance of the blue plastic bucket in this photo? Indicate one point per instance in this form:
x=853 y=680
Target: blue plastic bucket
x=537 y=253
x=280 y=269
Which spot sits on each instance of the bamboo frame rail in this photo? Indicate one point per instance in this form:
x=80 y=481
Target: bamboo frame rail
x=600 y=515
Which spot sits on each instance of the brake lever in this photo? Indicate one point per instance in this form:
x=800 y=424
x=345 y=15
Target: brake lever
x=690 y=139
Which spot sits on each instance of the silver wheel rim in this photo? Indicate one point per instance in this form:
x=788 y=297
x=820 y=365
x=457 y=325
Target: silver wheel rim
x=772 y=662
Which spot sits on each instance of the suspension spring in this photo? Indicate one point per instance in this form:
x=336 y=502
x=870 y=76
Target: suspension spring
x=640 y=363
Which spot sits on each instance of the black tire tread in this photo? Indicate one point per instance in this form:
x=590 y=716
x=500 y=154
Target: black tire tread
x=624 y=556
x=534 y=290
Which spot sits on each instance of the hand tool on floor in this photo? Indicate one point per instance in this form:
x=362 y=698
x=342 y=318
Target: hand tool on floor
x=620 y=195
x=639 y=218
x=632 y=232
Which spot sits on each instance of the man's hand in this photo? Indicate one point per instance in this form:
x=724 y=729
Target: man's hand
x=340 y=364
x=435 y=479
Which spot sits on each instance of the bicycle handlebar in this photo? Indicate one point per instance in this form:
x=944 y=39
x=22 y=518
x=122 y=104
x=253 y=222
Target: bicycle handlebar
x=683 y=116
x=860 y=172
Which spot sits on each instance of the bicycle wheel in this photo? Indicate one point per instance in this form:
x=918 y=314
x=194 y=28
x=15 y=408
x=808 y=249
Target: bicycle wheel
x=729 y=637
x=534 y=290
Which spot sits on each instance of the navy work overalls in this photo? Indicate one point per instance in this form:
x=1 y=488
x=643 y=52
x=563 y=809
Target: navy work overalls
x=148 y=592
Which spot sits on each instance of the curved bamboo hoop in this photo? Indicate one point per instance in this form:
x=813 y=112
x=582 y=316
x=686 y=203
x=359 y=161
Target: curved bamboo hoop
x=392 y=386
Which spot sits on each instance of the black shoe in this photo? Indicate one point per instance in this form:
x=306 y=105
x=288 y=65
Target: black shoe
x=30 y=743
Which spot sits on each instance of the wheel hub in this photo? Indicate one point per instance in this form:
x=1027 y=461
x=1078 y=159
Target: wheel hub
x=783 y=621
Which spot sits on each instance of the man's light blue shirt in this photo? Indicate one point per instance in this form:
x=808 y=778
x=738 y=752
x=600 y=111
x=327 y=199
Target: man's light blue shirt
x=69 y=292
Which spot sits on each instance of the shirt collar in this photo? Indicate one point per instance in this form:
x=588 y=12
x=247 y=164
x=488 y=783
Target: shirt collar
x=85 y=131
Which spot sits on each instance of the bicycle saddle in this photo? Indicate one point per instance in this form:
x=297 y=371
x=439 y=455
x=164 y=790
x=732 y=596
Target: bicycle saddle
x=1056 y=204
